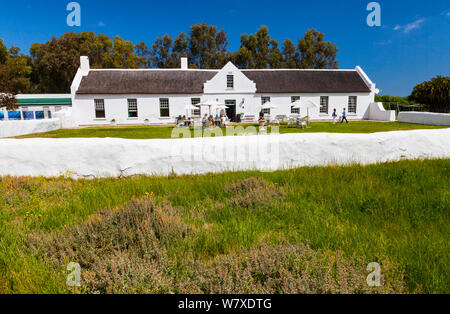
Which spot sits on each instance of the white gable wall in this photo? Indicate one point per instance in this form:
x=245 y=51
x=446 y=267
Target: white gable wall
x=218 y=84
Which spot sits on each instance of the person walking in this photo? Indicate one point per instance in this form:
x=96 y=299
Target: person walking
x=335 y=116
x=344 y=116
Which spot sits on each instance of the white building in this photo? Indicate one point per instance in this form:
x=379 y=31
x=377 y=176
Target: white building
x=158 y=96
x=36 y=106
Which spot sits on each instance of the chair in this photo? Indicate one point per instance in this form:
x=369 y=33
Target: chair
x=292 y=120
x=302 y=122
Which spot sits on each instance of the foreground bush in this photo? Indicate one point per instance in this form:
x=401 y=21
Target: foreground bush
x=125 y=251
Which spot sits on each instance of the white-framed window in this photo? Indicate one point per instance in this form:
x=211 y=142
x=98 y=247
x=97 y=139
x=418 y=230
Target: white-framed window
x=164 y=107
x=324 y=100
x=265 y=99
x=352 y=104
x=195 y=102
x=295 y=110
x=132 y=108
x=230 y=81
x=99 y=108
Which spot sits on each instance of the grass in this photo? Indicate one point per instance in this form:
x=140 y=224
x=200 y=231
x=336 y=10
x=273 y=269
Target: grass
x=146 y=132
x=302 y=230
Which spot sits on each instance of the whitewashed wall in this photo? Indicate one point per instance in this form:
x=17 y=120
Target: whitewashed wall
x=425 y=118
x=23 y=127
x=116 y=106
x=95 y=157
x=378 y=113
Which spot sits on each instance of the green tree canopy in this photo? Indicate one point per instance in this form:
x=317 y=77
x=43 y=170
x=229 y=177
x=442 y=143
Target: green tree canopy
x=315 y=53
x=56 y=62
x=53 y=64
x=434 y=93
x=15 y=70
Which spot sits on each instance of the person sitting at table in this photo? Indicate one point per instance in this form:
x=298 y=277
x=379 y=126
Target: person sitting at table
x=217 y=120
x=223 y=120
x=261 y=115
x=211 y=120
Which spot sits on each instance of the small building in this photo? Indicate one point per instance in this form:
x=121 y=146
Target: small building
x=158 y=96
x=37 y=106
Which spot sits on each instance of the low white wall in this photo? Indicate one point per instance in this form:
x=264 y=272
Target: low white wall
x=114 y=157
x=378 y=113
x=425 y=118
x=23 y=127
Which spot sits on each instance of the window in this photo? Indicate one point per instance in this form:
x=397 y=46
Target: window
x=132 y=108
x=196 y=112
x=295 y=110
x=324 y=104
x=263 y=101
x=100 y=108
x=230 y=81
x=164 y=107
x=352 y=104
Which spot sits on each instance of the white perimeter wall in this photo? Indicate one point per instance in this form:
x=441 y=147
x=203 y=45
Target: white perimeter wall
x=425 y=118
x=114 y=157
x=378 y=113
x=23 y=127
x=116 y=106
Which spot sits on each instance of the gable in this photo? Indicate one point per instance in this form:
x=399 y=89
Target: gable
x=218 y=84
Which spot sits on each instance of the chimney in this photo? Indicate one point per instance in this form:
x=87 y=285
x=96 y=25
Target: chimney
x=184 y=63
x=84 y=65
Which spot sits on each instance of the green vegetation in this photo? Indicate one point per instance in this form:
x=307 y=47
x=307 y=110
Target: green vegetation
x=303 y=230
x=51 y=66
x=146 y=132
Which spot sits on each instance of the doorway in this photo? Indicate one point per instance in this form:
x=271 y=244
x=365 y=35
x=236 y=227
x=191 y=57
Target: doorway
x=231 y=110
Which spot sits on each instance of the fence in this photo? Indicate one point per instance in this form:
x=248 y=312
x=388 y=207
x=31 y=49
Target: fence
x=24 y=115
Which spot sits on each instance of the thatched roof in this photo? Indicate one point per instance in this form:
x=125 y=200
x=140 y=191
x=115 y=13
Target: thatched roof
x=192 y=81
x=145 y=82
x=307 y=81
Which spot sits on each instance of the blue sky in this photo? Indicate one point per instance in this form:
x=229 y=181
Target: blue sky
x=411 y=46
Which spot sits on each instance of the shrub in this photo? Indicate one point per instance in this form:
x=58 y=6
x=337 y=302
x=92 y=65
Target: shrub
x=123 y=250
x=288 y=269
x=253 y=192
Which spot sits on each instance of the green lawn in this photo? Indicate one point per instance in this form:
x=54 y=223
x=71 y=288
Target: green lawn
x=150 y=132
x=303 y=230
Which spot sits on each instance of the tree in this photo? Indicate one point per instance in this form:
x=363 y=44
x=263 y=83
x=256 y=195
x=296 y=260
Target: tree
x=258 y=51
x=290 y=55
x=208 y=47
x=434 y=93
x=15 y=72
x=3 y=52
x=8 y=101
x=56 y=62
x=315 y=53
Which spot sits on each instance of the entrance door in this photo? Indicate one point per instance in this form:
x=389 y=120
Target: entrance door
x=231 y=110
